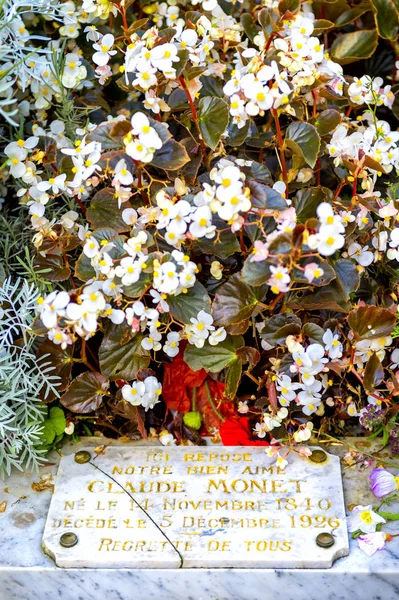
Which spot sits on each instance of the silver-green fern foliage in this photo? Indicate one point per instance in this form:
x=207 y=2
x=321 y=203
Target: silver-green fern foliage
x=22 y=378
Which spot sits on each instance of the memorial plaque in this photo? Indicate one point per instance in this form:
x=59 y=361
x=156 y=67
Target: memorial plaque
x=147 y=507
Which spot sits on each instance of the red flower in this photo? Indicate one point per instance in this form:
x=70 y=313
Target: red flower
x=237 y=432
x=178 y=382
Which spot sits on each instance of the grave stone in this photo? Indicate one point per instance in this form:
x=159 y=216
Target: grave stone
x=212 y=507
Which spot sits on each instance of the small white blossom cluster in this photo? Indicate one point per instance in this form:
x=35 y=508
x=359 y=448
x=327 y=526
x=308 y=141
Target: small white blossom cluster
x=270 y=421
x=374 y=139
x=366 y=90
x=228 y=197
x=143 y=393
x=310 y=367
x=257 y=87
x=146 y=60
x=142 y=141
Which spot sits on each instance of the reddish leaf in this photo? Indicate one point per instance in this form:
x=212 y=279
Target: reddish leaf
x=85 y=394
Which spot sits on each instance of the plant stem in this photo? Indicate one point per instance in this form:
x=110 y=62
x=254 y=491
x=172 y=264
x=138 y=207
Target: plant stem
x=281 y=147
x=211 y=402
x=195 y=119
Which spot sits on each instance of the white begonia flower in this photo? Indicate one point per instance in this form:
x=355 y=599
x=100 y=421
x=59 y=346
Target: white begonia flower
x=329 y=240
x=217 y=336
x=163 y=56
x=362 y=255
x=171 y=346
x=147 y=134
x=352 y=410
x=202 y=325
x=59 y=337
x=138 y=151
x=279 y=280
x=133 y=393
x=363 y=518
x=166 y=438
x=103 y=50
x=129 y=215
x=115 y=315
x=92 y=34
x=122 y=175
x=68 y=219
x=287 y=388
x=144 y=312
x=51 y=307
x=56 y=184
x=16 y=158
x=160 y=300
x=152 y=341
x=313 y=271
x=129 y=270
x=169 y=278
x=92 y=299
x=201 y=225
x=153 y=390
x=84 y=319
x=332 y=344
x=395 y=359
x=73 y=71
x=91 y=247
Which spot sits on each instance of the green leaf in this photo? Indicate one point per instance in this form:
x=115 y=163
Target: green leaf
x=251 y=29
x=135 y=290
x=226 y=244
x=291 y=5
x=374 y=373
x=104 y=211
x=347 y=276
x=327 y=120
x=233 y=378
x=185 y=306
x=369 y=322
x=263 y=196
x=307 y=200
x=351 y=15
x=303 y=139
x=103 y=134
x=350 y=47
x=53 y=426
x=213 y=119
x=53 y=264
x=386 y=18
x=255 y=273
x=57 y=419
x=321 y=25
x=314 y=332
x=328 y=297
x=278 y=327
x=213 y=358
x=171 y=156
x=235 y=301
x=236 y=136
x=121 y=353
x=211 y=87
x=85 y=394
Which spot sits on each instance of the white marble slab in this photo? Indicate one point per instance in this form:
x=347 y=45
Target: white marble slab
x=210 y=507
x=26 y=573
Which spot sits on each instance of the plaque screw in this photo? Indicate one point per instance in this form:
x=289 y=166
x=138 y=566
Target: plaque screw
x=224 y=521
x=318 y=456
x=82 y=457
x=68 y=540
x=325 y=540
